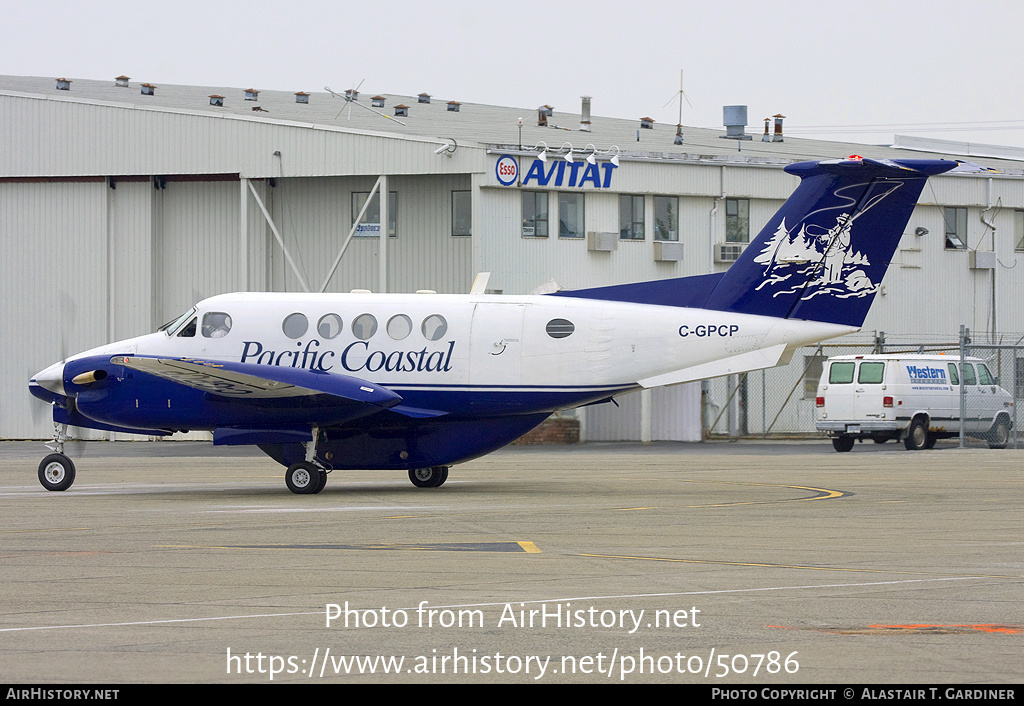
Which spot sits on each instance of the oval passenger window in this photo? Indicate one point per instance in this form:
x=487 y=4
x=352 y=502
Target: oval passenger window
x=560 y=328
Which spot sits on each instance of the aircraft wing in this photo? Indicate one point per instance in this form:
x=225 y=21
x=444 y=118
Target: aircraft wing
x=238 y=381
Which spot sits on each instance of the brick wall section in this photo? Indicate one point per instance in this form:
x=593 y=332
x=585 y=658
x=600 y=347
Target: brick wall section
x=553 y=430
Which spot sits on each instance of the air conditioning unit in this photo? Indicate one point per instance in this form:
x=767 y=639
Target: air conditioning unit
x=668 y=251
x=728 y=252
x=602 y=242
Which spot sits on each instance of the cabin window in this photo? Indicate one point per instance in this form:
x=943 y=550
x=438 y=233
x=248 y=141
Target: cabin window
x=737 y=220
x=399 y=326
x=871 y=373
x=434 y=327
x=631 y=217
x=329 y=326
x=840 y=373
x=216 y=324
x=666 y=218
x=364 y=326
x=295 y=325
x=535 y=214
x=560 y=328
x=570 y=216
x=956 y=227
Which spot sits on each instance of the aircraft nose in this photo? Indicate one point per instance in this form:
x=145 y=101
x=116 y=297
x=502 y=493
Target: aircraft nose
x=51 y=379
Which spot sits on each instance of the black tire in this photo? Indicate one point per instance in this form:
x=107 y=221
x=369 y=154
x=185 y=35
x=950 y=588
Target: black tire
x=432 y=477
x=56 y=472
x=303 y=478
x=999 y=436
x=842 y=443
x=323 y=481
x=917 y=435
x=879 y=439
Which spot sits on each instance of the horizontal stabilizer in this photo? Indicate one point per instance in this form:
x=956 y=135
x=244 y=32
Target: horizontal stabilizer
x=752 y=360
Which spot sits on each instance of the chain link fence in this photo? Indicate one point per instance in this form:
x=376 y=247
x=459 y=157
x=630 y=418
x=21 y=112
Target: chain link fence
x=780 y=402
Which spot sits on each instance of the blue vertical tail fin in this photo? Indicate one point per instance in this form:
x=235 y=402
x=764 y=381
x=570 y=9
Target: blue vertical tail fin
x=822 y=256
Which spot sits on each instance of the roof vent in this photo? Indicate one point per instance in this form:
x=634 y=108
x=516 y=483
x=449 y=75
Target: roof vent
x=679 y=134
x=147 y=89
x=585 y=114
x=122 y=81
x=251 y=94
x=453 y=106
x=352 y=94
x=63 y=84
x=424 y=98
x=647 y=123
x=543 y=113
x=734 y=117
x=217 y=100
x=302 y=97
x=401 y=109
x=778 y=128
x=377 y=101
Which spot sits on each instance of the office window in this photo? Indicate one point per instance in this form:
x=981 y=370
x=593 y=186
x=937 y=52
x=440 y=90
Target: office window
x=631 y=217
x=1018 y=230
x=666 y=218
x=956 y=227
x=462 y=213
x=737 y=220
x=369 y=226
x=535 y=214
x=570 y=215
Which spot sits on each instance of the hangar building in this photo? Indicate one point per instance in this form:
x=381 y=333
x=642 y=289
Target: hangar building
x=122 y=203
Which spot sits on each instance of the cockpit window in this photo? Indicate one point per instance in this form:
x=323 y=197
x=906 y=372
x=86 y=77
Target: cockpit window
x=216 y=324
x=171 y=327
x=189 y=329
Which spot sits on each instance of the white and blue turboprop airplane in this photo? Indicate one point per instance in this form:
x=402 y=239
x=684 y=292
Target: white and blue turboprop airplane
x=417 y=382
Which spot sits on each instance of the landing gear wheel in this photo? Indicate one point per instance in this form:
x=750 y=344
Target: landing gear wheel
x=428 y=477
x=842 y=443
x=917 y=436
x=304 y=478
x=323 y=481
x=56 y=472
x=999 y=437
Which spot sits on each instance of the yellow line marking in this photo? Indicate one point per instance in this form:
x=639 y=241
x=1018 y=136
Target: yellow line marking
x=529 y=547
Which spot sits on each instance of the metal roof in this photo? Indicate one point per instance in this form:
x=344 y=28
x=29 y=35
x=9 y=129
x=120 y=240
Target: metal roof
x=474 y=124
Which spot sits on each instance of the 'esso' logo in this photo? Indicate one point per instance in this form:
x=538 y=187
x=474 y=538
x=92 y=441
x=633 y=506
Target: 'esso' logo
x=507 y=170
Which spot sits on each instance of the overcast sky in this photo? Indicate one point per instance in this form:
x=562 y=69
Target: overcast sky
x=862 y=70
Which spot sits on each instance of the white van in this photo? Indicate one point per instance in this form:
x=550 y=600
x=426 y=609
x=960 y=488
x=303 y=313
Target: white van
x=915 y=398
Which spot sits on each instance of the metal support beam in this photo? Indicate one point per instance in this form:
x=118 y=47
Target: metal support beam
x=352 y=231
x=277 y=235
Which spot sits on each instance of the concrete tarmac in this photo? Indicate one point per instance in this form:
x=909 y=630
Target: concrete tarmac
x=716 y=564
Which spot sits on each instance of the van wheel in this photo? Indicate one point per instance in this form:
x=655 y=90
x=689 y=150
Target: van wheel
x=917 y=435
x=999 y=437
x=842 y=443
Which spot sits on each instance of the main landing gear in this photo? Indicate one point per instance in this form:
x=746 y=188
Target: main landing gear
x=307 y=477
x=57 y=471
x=432 y=477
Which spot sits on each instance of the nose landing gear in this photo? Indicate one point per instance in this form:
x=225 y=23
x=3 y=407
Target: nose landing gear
x=57 y=471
